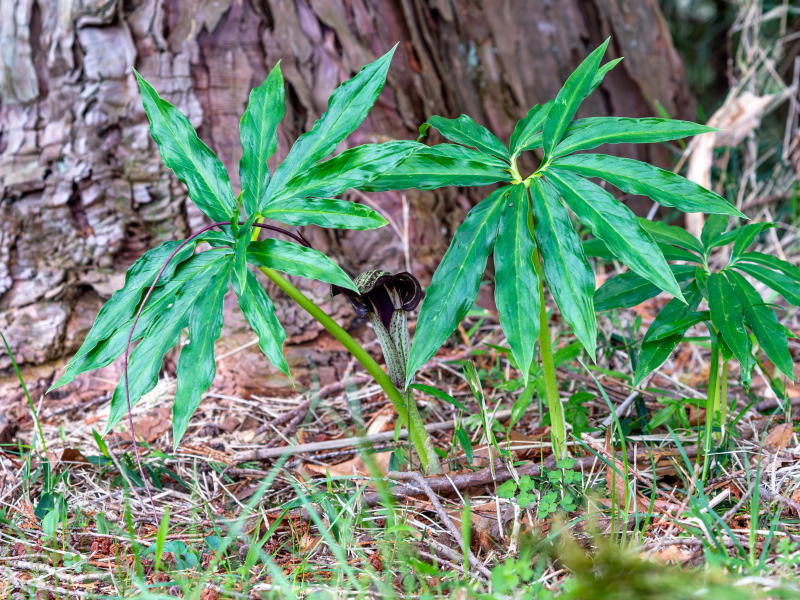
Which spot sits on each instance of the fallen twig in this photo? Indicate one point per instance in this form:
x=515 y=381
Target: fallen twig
x=445 y=518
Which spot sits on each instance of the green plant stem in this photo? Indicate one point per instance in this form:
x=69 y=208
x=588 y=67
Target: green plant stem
x=558 y=429
x=434 y=466
x=711 y=402
x=722 y=399
x=419 y=437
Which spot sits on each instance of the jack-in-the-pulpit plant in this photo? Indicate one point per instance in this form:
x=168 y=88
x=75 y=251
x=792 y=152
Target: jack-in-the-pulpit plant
x=171 y=287
x=734 y=306
x=385 y=301
x=527 y=225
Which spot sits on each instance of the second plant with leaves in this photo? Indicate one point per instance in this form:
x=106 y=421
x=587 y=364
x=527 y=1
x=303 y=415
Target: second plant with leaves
x=526 y=225
x=734 y=306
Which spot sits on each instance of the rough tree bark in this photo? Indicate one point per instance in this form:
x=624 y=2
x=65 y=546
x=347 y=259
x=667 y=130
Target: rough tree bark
x=84 y=192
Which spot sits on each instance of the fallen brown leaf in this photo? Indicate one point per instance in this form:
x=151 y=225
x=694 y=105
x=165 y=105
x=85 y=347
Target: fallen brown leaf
x=484 y=522
x=74 y=458
x=779 y=437
x=528 y=447
x=354 y=466
x=151 y=427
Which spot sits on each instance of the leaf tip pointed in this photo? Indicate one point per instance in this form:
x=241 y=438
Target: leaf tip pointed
x=389 y=55
x=59 y=382
x=176 y=439
x=423 y=130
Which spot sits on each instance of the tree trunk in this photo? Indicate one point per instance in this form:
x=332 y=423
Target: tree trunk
x=85 y=194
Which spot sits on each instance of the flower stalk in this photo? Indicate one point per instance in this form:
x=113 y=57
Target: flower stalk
x=385 y=300
x=712 y=400
x=402 y=401
x=558 y=428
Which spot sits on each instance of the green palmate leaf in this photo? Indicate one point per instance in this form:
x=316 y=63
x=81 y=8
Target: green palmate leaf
x=217 y=238
x=347 y=108
x=189 y=158
x=351 y=169
x=566 y=270
x=617 y=226
x=713 y=228
x=325 y=212
x=669 y=234
x=259 y=311
x=674 y=253
x=528 y=132
x=634 y=177
x=569 y=98
x=728 y=318
x=746 y=238
x=724 y=238
x=516 y=283
x=725 y=353
x=258 y=131
x=653 y=354
x=196 y=365
x=701 y=275
x=455 y=283
x=596 y=248
x=527 y=128
x=105 y=351
x=786 y=286
x=585 y=134
x=464 y=130
x=163 y=333
x=630 y=289
x=761 y=320
x=772 y=262
x=123 y=304
x=601 y=73
x=297 y=260
x=440 y=166
x=679 y=326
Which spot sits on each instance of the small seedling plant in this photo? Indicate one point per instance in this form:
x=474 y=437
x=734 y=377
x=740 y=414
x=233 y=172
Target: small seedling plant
x=556 y=489
x=737 y=317
x=526 y=226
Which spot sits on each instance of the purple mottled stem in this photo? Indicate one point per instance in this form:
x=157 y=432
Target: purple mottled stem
x=127 y=352
x=296 y=237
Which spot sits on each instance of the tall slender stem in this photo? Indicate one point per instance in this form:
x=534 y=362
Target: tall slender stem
x=711 y=401
x=722 y=399
x=430 y=461
x=417 y=433
x=558 y=429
